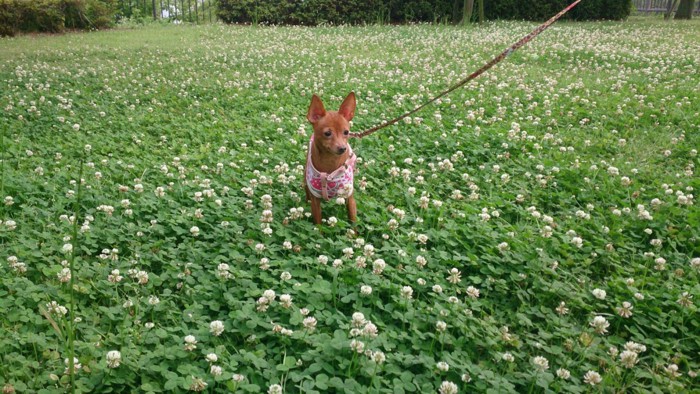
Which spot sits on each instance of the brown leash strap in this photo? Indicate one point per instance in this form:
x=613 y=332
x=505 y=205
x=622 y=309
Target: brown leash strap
x=473 y=75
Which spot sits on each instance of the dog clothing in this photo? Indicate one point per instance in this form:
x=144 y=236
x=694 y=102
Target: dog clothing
x=338 y=183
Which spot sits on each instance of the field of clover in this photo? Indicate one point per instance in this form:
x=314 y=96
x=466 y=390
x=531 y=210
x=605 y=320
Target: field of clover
x=537 y=231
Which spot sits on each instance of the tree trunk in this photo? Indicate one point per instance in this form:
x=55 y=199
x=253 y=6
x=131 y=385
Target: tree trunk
x=669 y=8
x=481 y=11
x=468 y=11
x=154 y=9
x=685 y=9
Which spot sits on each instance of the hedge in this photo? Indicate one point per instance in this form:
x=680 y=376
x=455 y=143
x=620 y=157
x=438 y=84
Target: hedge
x=54 y=16
x=314 y=12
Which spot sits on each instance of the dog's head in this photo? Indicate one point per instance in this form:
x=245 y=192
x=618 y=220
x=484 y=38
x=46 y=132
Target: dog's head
x=331 y=128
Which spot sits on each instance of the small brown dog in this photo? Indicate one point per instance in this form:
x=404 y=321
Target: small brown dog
x=330 y=163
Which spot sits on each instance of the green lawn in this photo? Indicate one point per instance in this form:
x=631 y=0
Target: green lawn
x=537 y=231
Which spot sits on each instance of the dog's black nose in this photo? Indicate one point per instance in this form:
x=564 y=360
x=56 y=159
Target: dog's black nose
x=342 y=150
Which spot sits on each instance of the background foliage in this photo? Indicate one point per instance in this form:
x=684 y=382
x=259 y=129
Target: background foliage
x=53 y=16
x=313 y=12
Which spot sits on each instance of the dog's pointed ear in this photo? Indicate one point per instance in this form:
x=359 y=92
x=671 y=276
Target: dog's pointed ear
x=347 y=108
x=316 y=110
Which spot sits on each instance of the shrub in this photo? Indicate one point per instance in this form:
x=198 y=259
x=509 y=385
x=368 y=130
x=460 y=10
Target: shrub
x=313 y=12
x=40 y=15
x=53 y=16
x=542 y=10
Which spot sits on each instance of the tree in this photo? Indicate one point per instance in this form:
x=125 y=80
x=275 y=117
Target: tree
x=467 y=11
x=670 y=6
x=481 y=11
x=685 y=9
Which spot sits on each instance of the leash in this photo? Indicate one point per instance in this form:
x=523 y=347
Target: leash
x=473 y=75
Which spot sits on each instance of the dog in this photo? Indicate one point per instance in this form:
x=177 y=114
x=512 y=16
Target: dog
x=330 y=162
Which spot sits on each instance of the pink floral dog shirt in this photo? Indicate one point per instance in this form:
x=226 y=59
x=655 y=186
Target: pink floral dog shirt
x=338 y=183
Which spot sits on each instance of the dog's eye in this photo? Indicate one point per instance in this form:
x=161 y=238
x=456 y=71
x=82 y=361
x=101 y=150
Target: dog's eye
x=346 y=132
x=327 y=133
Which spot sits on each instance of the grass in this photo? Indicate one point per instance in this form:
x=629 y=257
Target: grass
x=535 y=232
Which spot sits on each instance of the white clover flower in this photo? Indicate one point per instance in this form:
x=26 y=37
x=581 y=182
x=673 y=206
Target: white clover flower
x=448 y=388
x=541 y=363
x=599 y=294
x=274 y=389
x=55 y=308
x=216 y=327
x=237 y=377
x=114 y=358
x=64 y=275
x=592 y=378
x=194 y=230
x=358 y=319
x=378 y=357
x=454 y=277
x=76 y=365
x=141 y=277
x=269 y=295
x=309 y=323
x=635 y=347
x=10 y=224
x=628 y=358
x=442 y=366
x=612 y=350
x=216 y=370
x=407 y=292
x=114 y=277
x=223 y=271
x=365 y=290
x=190 y=343
x=378 y=266
x=473 y=292
x=577 y=241
x=563 y=373
x=600 y=324
x=441 y=326
x=625 y=310
x=672 y=370
x=685 y=300
x=198 y=384
x=357 y=346
x=507 y=357
x=348 y=252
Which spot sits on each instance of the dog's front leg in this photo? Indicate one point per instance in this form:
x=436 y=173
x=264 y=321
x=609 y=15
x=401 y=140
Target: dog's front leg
x=316 y=209
x=352 y=209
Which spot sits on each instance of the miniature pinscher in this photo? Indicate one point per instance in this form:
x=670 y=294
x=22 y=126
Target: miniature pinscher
x=330 y=163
